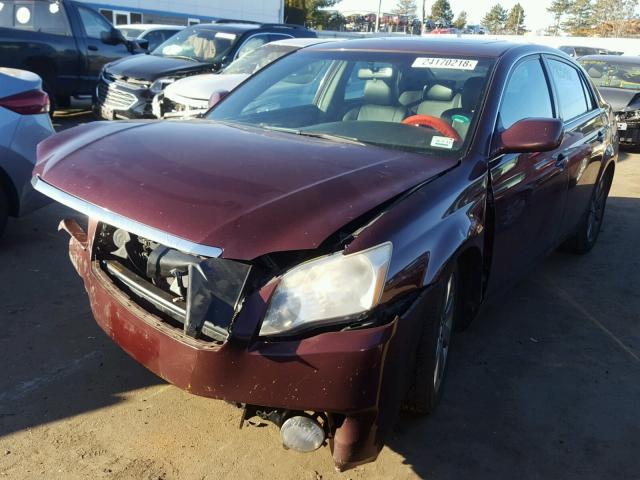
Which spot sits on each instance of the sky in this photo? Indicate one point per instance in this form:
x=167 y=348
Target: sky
x=536 y=15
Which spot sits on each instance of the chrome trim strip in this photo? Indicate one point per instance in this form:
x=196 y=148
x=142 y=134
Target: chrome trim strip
x=119 y=221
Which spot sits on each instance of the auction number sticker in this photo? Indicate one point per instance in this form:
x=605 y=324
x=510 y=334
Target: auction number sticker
x=451 y=63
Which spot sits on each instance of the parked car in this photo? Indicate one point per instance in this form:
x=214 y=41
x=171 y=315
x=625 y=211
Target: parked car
x=153 y=34
x=618 y=80
x=66 y=43
x=189 y=97
x=127 y=86
x=308 y=251
x=24 y=121
x=577 y=52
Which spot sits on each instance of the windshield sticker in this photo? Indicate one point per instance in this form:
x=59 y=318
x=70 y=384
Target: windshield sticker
x=442 y=142
x=228 y=36
x=450 y=63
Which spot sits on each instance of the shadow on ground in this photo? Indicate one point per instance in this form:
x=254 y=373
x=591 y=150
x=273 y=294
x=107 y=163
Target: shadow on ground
x=57 y=363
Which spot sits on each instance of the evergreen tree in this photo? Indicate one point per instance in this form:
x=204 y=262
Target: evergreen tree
x=580 y=20
x=441 y=13
x=461 y=21
x=309 y=12
x=495 y=19
x=515 y=21
x=611 y=16
x=558 y=9
x=405 y=7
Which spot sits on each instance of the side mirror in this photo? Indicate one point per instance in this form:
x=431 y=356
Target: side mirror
x=112 y=37
x=143 y=43
x=531 y=135
x=217 y=96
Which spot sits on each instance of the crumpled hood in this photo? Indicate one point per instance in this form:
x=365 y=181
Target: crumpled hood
x=151 y=67
x=200 y=87
x=245 y=190
x=621 y=98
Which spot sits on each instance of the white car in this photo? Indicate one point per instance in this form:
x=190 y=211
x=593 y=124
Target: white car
x=24 y=122
x=189 y=97
x=153 y=33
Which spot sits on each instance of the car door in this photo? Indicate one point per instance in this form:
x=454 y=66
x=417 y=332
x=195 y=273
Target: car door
x=528 y=189
x=97 y=52
x=583 y=147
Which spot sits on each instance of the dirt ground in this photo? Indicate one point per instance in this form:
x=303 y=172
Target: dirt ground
x=545 y=386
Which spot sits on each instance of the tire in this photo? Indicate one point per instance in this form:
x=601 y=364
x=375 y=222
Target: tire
x=4 y=210
x=589 y=229
x=427 y=379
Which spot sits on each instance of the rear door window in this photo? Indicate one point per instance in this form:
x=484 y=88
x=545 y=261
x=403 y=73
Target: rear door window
x=37 y=16
x=570 y=90
x=526 y=95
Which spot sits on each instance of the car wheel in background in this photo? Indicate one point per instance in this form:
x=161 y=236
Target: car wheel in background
x=587 y=234
x=426 y=381
x=4 y=210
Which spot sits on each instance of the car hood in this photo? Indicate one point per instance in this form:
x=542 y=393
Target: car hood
x=621 y=98
x=152 y=67
x=246 y=190
x=200 y=87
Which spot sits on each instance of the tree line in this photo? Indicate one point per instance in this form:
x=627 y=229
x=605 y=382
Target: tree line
x=605 y=18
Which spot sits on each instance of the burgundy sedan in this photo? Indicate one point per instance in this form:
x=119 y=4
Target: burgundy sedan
x=307 y=250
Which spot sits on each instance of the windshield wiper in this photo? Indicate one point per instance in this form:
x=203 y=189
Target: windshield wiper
x=181 y=56
x=325 y=136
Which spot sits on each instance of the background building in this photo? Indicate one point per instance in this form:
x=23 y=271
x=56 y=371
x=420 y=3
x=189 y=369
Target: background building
x=187 y=12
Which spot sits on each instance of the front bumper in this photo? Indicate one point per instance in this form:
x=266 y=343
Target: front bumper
x=119 y=100
x=178 y=108
x=336 y=372
x=628 y=128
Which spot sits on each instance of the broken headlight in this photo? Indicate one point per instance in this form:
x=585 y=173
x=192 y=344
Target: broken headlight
x=327 y=290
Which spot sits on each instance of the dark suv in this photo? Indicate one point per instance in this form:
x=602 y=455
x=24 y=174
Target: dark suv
x=127 y=86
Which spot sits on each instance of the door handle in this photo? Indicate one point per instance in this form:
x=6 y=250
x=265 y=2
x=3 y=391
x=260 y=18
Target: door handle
x=600 y=136
x=93 y=48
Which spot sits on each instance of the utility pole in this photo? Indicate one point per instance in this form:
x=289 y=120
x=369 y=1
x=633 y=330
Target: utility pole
x=423 y=29
x=378 y=15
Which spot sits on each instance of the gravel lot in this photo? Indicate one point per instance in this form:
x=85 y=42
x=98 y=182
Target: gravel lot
x=546 y=386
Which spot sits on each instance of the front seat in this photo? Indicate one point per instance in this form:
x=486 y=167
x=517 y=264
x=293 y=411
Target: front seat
x=460 y=118
x=380 y=104
x=437 y=99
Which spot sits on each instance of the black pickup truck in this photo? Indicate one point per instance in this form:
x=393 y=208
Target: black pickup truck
x=63 y=41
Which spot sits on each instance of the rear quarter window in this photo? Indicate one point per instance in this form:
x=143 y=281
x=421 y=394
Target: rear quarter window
x=570 y=89
x=36 y=16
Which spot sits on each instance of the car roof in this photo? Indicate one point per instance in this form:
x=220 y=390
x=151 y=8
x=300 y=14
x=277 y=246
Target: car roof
x=241 y=27
x=631 y=60
x=301 y=42
x=143 y=27
x=434 y=45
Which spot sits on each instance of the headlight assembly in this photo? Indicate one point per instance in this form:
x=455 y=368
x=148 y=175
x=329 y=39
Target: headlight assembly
x=327 y=290
x=160 y=84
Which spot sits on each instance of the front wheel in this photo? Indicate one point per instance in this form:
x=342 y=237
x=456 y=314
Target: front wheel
x=425 y=389
x=587 y=234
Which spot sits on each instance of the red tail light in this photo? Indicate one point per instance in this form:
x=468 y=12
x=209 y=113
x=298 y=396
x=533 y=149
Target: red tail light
x=27 y=103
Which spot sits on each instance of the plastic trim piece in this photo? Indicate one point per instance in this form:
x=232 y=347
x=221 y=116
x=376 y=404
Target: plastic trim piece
x=119 y=221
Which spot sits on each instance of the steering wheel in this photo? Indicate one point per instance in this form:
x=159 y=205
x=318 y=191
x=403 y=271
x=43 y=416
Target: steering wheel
x=434 y=122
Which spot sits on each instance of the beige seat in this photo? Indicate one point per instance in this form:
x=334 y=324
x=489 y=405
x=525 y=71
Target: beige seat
x=437 y=99
x=379 y=102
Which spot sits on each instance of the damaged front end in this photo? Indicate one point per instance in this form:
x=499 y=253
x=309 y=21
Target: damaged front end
x=629 y=127
x=201 y=322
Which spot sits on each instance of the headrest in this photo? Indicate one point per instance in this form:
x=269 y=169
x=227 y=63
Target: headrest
x=471 y=93
x=439 y=93
x=377 y=92
x=368 y=74
x=594 y=72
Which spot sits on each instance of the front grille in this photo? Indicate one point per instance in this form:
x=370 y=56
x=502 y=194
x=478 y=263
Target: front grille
x=110 y=96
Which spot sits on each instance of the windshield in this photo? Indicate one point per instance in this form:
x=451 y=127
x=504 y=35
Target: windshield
x=130 y=33
x=613 y=74
x=396 y=100
x=199 y=44
x=258 y=58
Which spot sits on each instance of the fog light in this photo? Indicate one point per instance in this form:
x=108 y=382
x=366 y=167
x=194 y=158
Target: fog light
x=302 y=434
